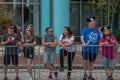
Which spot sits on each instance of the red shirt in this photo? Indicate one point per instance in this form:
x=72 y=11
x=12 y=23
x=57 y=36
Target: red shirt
x=108 y=51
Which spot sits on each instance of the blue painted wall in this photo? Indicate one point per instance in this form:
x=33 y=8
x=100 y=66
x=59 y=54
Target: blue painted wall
x=31 y=14
x=45 y=15
x=61 y=15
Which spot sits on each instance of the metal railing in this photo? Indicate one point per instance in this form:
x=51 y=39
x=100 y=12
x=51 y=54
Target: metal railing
x=41 y=73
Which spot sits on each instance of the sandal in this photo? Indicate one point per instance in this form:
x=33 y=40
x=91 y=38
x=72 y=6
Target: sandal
x=5 y=78
x=68 y=78
x=16 y=78
x=61 y=69
x=109 y=78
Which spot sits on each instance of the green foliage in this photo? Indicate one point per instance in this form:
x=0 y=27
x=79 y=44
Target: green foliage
x=39 y=40
x=0 y=39
x=4 y=19
x=110 y=8
x=117 y=35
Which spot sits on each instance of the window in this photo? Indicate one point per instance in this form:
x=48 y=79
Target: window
x=19 y=11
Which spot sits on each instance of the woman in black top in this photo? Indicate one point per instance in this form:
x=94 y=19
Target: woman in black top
x=30 y=42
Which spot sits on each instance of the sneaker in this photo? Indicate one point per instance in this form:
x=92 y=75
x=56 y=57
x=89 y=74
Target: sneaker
x=68 y=78
x=91 y=78
x=50 y=77
x=61 y=69
x=56 y=74
x=29 y=78
x=85 y=77
x=109 y=78
x=5 y=78
x=16 y=78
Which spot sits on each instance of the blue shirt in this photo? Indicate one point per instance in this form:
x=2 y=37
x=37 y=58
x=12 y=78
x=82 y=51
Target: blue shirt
x=91 y=37
x=51 y=38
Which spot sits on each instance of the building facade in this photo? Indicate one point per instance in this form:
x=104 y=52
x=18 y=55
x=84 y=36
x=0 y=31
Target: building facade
x=50 y=13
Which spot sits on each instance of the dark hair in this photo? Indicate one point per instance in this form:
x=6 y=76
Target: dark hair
x=47 y=29
x=109 y=27
x=104 y=32
x=69 y=31
x=19 y=25
x=91 y=19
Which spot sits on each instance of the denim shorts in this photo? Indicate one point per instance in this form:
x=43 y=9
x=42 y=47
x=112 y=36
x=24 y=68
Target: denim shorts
x=49 y=57
x=109 y=63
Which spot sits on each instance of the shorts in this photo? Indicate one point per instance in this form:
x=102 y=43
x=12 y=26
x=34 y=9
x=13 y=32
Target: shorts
x=49 y=57
x=89 y=56
x=29 y=53
x=7 y=59
x=109 y=63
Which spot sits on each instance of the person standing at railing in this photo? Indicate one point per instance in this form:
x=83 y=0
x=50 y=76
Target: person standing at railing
x=49 y=40
x=108 y=43
x=11 y=40
x=89 y=36
x=66 y=42
x=111 y=31
x=20 y=32
x=29 y=47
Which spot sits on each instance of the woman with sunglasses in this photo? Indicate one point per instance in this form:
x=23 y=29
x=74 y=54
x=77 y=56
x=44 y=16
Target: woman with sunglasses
x=30 y=42
x=49 y=41
x=66 y=42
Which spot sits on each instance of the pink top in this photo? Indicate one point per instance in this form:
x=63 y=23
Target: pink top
x=108 y=51
x=19 y=30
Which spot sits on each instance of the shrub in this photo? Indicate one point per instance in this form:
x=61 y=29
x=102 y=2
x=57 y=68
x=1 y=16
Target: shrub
x=117 y=35
x=0 y=39
x=39 y=40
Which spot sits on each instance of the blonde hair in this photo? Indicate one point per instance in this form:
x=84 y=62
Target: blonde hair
x=29 y=37
x=30 y=26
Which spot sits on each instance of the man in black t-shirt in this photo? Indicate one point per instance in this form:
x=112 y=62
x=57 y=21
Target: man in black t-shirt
x=11 y=41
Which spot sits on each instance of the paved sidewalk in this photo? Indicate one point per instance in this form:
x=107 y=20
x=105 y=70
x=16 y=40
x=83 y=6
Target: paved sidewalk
x=76 y=75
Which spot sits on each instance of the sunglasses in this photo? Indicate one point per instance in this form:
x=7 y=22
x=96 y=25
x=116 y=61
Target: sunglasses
x=51 y=31
x=27 y=29
x=10 y=27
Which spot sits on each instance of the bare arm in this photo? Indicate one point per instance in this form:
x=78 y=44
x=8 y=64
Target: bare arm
x=53 y=43
x=82 y=39
x=70 y=43
x=21 y=33
x=32 y=44
x=103 y=43
x=4 y=43
x=44 y=43
x=61 y=43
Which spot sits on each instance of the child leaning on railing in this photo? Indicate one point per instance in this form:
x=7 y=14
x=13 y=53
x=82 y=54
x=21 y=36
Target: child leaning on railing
x=108 y=43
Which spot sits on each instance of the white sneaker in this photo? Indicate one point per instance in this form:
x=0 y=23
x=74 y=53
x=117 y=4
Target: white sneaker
x=29 y=78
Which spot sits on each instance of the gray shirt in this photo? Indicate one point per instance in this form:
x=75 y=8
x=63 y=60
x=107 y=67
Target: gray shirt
x=51 y=38
x=11 y=48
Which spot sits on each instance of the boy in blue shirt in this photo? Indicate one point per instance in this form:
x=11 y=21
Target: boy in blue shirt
x=89 y=36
